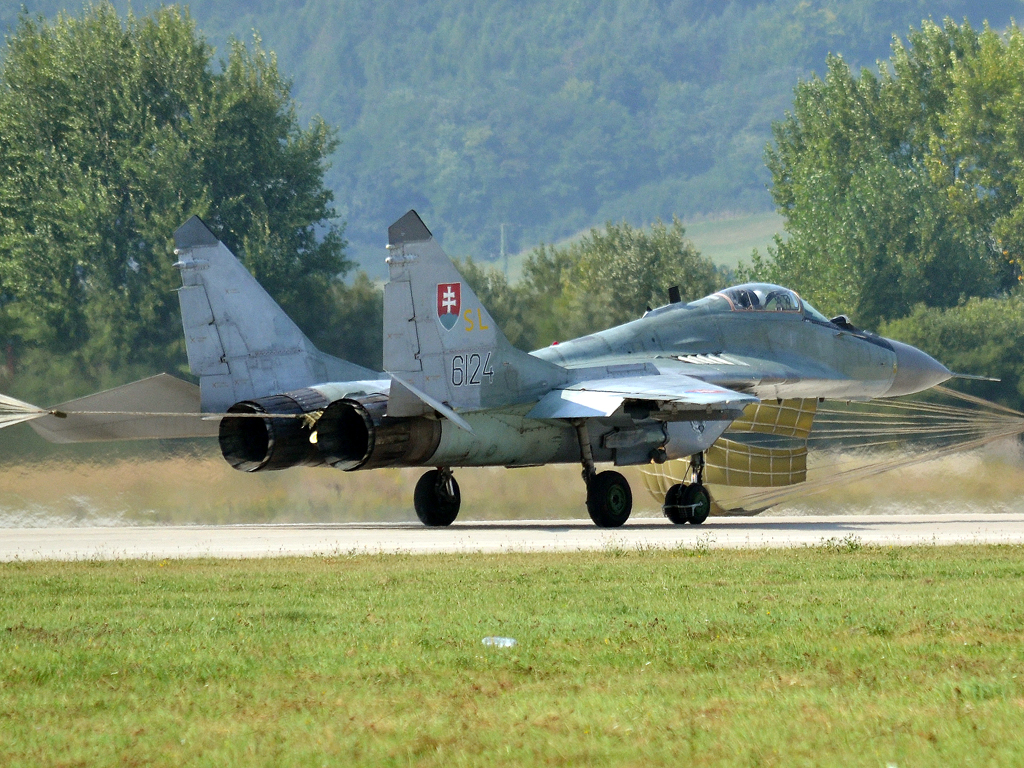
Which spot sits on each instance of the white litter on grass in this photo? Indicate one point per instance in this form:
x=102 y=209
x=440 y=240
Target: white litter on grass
x=500 y=642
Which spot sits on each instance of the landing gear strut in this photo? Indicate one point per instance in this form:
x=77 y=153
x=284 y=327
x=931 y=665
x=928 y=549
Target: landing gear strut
x=689 y=503
x=437 y=498
x=609 y=499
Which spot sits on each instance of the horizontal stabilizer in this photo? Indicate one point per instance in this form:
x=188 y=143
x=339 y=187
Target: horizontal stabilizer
x=604 y=396
x=403 y=390
x=161 y=406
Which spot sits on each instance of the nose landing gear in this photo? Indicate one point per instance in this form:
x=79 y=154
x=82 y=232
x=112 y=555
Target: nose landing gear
x=437 y=498
x=689 y=503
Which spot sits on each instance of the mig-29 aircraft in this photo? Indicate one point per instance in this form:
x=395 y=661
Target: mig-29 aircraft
x=455 y=392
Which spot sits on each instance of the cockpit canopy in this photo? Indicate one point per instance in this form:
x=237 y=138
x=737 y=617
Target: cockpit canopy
x=762 y=297
x=759 y=297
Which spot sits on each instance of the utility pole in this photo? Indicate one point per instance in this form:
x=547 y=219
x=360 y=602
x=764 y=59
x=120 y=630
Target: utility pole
x=504 y=254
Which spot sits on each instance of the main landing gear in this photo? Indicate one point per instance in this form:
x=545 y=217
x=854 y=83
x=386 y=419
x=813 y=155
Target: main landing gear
x=437 y=498
x=689 y=503
x=609 y=499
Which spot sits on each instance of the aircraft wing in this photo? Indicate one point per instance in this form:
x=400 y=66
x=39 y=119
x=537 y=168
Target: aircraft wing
x=602 y=397
x=158 y=407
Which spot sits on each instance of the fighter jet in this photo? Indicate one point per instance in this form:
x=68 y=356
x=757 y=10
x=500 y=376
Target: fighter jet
x=455 y=393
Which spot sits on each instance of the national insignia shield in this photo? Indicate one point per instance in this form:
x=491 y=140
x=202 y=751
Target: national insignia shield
x=449 y=304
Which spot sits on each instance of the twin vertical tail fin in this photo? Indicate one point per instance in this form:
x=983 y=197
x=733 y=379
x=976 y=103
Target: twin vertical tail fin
x=240 y=343
x=441 y=345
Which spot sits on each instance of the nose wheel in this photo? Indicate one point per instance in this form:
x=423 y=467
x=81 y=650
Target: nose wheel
x=689 y=503
x=437 y=498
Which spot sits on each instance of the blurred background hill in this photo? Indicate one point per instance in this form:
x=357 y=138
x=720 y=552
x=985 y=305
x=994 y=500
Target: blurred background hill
x=550 y=119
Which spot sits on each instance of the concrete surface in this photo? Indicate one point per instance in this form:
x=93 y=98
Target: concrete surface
x=512 y=536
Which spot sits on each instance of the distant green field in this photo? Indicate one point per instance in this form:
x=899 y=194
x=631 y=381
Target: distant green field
x=730 y=239
x=835 y=655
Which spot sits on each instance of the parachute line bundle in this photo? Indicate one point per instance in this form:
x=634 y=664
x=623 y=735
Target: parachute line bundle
x=762 y=461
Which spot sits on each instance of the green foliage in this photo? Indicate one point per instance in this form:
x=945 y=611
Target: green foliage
x=610 y=277
x=604 y=278
x=551 y=118
x=983 y=337
x=904 y=187
x=353 y=326
x=976 y=154
x=112 y=132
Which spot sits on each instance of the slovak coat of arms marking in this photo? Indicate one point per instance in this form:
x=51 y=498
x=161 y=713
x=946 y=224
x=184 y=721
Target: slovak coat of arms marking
x=449 y=304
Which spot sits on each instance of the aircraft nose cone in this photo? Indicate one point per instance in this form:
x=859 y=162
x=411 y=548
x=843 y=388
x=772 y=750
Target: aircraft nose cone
x=915 y=371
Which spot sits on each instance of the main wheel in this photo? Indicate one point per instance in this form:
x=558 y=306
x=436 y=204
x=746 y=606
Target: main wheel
x=673 y=508
x=609 y=500
x=437 y=499
x=697 y=501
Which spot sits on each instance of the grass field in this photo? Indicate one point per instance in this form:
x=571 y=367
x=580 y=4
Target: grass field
x=728 y=240
x=835 y=655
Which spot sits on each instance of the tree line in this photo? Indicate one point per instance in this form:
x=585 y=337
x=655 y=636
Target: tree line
x=902 y=190
x=548 y=118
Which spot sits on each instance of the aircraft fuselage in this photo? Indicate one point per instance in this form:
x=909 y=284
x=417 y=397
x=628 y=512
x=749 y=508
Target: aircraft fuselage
x=767 y=354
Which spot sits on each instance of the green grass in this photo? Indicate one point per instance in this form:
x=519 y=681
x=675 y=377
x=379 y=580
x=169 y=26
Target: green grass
x=837 y=655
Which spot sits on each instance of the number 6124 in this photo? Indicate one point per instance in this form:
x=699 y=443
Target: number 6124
x=471 y=369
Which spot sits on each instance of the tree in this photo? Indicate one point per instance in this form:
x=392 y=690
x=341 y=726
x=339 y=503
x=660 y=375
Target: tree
x=604 y=278
x=976 y=154
x=609 y=277
x=901 y=188
x=983 y=336
x=113 y=132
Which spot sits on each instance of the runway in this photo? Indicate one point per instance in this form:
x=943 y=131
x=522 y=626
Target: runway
x=254 y=541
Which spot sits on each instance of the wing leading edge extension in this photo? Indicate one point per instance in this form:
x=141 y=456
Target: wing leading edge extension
x=602 y=397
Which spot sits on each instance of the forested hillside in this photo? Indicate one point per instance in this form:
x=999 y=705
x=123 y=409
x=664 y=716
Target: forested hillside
x=550 y=118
